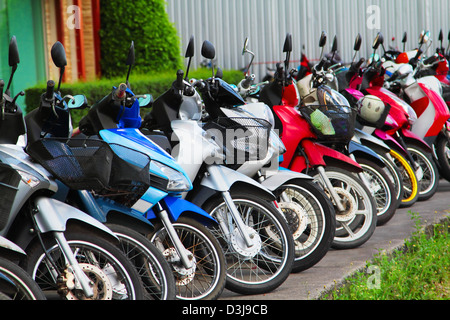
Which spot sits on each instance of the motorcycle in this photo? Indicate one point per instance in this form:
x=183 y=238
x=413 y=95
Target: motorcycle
x=49 y=130
x=374 y=176
x=180 y=228
x=304 y=204
x=66 y=248
x=254 y=234
x=355 y=208
x=408 y=135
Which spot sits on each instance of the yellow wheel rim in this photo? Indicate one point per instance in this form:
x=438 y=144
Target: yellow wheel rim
x=410 y=173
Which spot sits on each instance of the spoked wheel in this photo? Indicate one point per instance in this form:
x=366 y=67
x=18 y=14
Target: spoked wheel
x=394 y=175
x=205 y=279
x=152 y=267
x=311 y=218
x=442 y=147
x=410 y=183
x=382 y=189
x=16 y=284
x=265 y=265
x=358 y=222
x=112 y=276
x=430 y=176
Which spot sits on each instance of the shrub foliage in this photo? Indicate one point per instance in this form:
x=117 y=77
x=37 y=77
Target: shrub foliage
x=145 y=22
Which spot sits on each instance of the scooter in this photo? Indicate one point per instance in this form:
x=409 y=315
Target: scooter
x=65 y=247
x=373 y=175
x=258 y=261
x=180 y=227
x=355 y=208
x=49 y=130
x=419 y=151
x=307 y=208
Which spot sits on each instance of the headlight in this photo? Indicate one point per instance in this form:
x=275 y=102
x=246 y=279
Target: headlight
x=175 y=180
x=276 y=142
x=412 y=115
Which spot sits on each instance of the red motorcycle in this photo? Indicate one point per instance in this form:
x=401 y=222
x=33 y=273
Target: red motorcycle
x=402 y=118
x=356 y=212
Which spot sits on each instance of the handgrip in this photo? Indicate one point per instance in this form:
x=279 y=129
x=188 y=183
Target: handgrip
x=120 y=92
x=50 y=90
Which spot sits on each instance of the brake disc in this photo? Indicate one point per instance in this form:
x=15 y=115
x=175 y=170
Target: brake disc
x=296 y=217
x=101 y=284
x=349 y=204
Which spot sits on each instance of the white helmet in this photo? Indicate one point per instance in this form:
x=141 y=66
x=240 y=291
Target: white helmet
x=370 y=108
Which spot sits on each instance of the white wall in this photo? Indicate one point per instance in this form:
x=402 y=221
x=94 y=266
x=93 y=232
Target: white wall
x=226 y=23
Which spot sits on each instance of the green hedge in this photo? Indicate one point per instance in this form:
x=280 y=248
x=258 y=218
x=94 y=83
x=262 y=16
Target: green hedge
x=155 y=84
x=146 y=22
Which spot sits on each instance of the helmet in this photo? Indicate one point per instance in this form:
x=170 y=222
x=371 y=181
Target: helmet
x=370 y=108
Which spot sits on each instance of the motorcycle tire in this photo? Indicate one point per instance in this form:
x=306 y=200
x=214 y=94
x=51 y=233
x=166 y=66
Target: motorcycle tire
x=311 y=218
x=430 y=181
x=410 y=183
x=394 y=175
x=21 y=286
x=442 y=148
x=206 y=280
x=356 y=225
x=151 y=265
x=382 y=190
x=264 y=266
x=113 y=276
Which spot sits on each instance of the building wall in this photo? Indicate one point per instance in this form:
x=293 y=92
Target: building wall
x=226 y=23
x=22 y=19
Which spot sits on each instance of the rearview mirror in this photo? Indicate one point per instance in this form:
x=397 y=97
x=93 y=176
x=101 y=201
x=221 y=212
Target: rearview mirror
x=208 y=50
x=59 y=55
x=190 y=48
x=13 y=58
x=377 y=41
x=287 y=47
x=358 y=42
x=334 y=45
x=130 y=58
x=323 y=39
x=189 y=54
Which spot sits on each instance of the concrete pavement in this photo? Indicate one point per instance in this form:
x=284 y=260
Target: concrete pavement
x=338 y=264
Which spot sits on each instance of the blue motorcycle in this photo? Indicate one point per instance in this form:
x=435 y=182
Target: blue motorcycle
x=144 y=192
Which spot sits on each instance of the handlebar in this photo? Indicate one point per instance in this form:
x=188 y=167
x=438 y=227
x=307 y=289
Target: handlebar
x=120 y=91
x=246 y=83
x=49 y=93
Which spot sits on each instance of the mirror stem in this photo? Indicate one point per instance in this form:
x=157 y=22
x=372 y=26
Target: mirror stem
x=60 y=78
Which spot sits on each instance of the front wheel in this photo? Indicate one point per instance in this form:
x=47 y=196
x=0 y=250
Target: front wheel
x=112 y=276
x=382 y=189
x=357 y=223
x=430 y=176
x=266 y=264
x=16 y=284
x=152 y=267
x=442 y=147
x=410 y=183
x=205 y=279
x=311 y=218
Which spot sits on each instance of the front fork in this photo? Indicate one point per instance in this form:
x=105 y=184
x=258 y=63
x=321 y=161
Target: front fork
x=331 y=190
x=185 y=258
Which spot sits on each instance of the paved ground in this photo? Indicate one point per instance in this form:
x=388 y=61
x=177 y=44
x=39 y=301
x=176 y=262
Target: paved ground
x=337 y=264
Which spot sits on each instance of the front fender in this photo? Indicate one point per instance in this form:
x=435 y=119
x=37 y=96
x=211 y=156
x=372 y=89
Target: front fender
x=365 y=152
x=222 y=179
x=52 y=215
x=411 y=137
x=176 y=207
x=282 y=177
x=371 y=141
x=11 y=247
